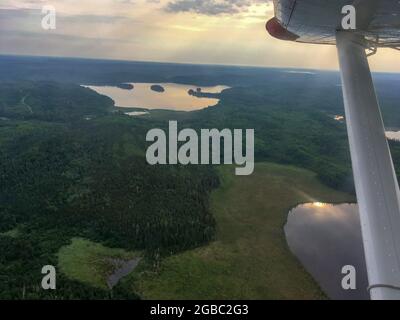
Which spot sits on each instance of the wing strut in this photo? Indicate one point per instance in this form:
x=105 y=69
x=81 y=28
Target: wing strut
x=375 y=179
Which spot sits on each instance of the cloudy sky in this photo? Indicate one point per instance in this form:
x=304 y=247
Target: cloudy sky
x=187 y=31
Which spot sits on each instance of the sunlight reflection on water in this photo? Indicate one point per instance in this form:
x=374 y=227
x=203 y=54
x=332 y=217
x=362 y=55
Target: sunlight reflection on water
x=393 y=135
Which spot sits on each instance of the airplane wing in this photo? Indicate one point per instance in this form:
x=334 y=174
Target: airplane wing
x=378 y=25
x=316 y=21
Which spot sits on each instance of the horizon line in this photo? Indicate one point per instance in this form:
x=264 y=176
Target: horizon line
x=180 y=63
x=166 y=62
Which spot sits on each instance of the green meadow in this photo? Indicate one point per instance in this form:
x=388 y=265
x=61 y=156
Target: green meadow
x=250 y=258
x=90 y=262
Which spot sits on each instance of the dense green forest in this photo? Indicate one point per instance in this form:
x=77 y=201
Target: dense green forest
x=67 y=177
x=73 y=166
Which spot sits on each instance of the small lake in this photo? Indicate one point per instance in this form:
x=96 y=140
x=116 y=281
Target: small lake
x=122 y=269
x=390 y=135
x=136 y=113
x=175 y=97
x=393 y=135
x=325 y=238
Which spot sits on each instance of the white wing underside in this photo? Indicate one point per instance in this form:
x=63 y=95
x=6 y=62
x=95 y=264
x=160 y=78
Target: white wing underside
x=316 y=21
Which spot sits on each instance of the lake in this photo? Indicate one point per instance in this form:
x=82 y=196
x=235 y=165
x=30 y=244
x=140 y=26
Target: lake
x=175 y=97
x=325 y=238
x=122 y=269
x=136 y=113
x=393 y=135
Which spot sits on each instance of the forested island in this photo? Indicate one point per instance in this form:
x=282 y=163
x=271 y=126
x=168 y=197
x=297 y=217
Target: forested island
x=157 y=88
x=126 y=86
x=200 y=94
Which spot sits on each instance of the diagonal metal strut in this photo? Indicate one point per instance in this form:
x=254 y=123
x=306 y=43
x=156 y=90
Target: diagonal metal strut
x=375 y=179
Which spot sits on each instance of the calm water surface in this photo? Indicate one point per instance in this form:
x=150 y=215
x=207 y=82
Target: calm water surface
x=123 y=268
x=175 y=96
x=325 y=238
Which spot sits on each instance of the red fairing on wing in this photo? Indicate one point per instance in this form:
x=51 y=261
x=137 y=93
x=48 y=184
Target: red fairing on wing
x=275 y=29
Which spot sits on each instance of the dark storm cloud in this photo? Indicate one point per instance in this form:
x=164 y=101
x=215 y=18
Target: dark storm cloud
x=211 y=7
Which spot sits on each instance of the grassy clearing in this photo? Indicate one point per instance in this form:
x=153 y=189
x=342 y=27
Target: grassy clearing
x=250 y=258
x=90 y=262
